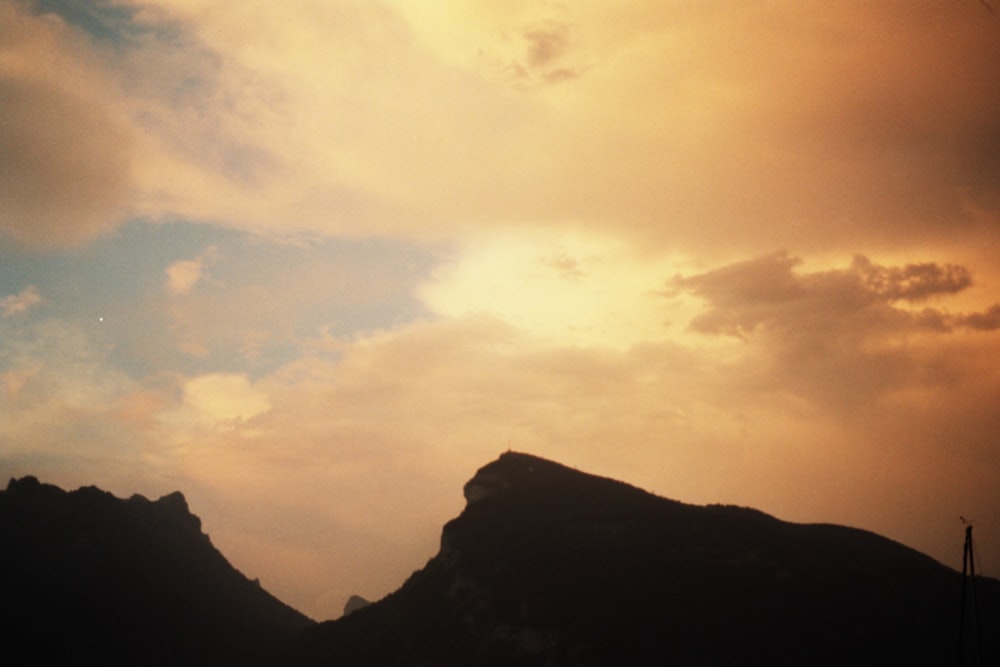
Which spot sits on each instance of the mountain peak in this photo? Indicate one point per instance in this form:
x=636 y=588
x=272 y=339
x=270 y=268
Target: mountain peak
x=92 y=578
x=175 y=501
x=28 y=486
x=26 y=482
x=512 y=468
x=174 y=507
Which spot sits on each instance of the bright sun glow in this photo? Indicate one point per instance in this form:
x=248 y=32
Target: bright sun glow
x=568 y=289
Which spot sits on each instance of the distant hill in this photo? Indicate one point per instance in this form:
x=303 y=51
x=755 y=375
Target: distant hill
x=550 y=566
x=90 y=579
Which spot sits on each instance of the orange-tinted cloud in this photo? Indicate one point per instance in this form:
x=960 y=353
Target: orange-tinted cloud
x=570 y=159
x=839 y=402
x=673 y=125
x=843 y=337
x=65 y=145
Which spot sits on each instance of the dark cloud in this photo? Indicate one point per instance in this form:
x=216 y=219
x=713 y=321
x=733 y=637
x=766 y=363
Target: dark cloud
x=767 y=292
x=988 y=320
x=546 y=44
x=547 y=56
x=841 y=336
x=64 y=164
x=767 y=278
x=913 y=282
x=65 y=155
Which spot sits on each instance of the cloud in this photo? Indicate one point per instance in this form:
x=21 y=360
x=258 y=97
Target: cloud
x=845 y=338
x=16 y=304
x=65 y=147
x=838 y=403
x=331 y=382
x=767 y=293
x=60 y=400
x=672 y=125
x=985 y=321
x=184 y=274
x=547 y=43
x=693 y=123
x=549 y=56
x=913 y=282
x=196 y=411
x=218 y=397
x=257 y=300
x=811 y=416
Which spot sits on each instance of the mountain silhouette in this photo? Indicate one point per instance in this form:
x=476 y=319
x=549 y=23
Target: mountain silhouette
x=547 y=565
x=90 y=579
x=354 y=603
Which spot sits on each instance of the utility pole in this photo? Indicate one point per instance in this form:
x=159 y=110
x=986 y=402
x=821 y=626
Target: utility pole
x=969 y=582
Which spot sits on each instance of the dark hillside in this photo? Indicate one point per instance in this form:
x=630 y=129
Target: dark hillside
x=91 y=579
x=551 y=566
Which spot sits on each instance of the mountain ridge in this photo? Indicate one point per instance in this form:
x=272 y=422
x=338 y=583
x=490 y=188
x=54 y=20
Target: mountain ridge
x=547 y=565
x=90 y=578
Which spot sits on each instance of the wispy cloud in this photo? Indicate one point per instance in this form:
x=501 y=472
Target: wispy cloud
x=15 y=304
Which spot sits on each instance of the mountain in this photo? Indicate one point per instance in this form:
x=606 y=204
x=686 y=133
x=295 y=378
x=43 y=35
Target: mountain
x=547 y=565
x=354 y=603
x=90 y=579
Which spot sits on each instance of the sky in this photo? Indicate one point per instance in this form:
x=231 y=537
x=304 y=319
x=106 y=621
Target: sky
x=313 y=263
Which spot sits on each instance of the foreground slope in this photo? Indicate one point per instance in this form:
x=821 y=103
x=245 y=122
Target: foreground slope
x=550 y=566
x=91 y=579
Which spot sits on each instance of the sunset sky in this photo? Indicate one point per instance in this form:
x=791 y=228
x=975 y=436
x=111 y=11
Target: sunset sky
x=312 y=263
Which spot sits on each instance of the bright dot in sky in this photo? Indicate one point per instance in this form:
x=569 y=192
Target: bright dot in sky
x=100 y=319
